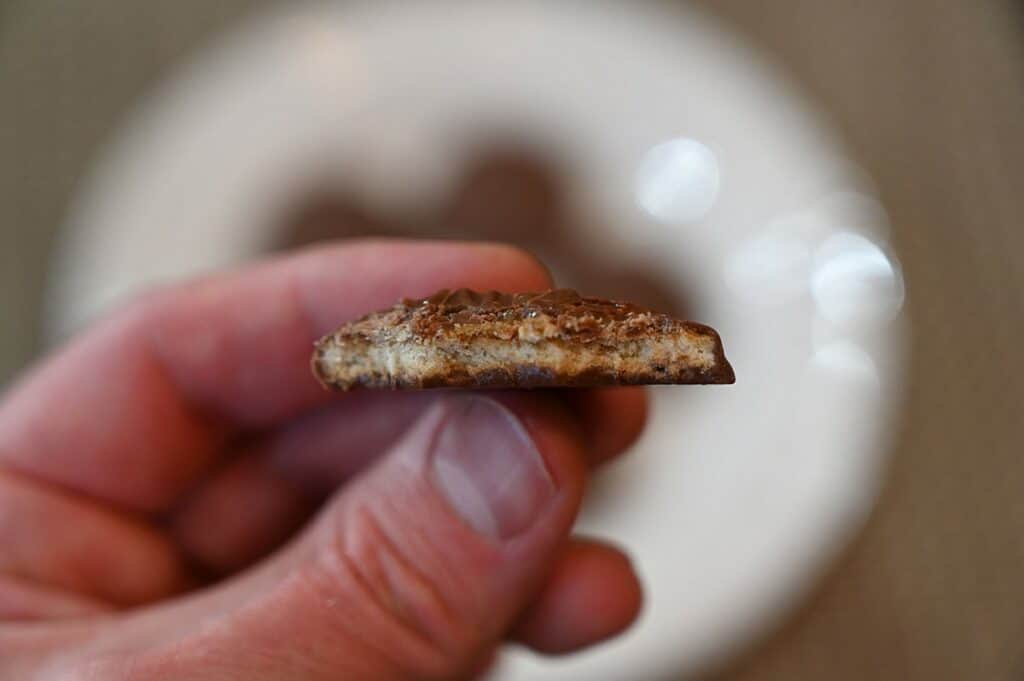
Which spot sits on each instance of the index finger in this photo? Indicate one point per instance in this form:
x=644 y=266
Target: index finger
x=137 y=407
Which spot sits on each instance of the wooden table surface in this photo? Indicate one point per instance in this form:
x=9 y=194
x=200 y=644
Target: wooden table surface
x=930 y=95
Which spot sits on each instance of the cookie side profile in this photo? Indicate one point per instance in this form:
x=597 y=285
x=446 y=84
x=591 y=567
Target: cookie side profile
x=557 y=338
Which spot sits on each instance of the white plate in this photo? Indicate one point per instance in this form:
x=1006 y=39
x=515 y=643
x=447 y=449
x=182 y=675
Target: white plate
x=700 y=161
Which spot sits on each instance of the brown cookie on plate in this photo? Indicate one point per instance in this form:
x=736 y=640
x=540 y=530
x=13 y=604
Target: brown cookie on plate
x=557 y=338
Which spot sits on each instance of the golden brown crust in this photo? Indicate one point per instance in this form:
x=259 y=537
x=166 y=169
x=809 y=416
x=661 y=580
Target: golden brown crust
x=553 y=338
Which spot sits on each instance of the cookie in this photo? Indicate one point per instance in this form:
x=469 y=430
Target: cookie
x=557 y=338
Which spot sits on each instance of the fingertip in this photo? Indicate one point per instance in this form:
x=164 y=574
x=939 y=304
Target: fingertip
x=613 y=419
x=532 y=273
x=377 y=272
x=592 y=594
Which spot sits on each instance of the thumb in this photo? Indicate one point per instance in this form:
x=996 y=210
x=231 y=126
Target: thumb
x=420 y=567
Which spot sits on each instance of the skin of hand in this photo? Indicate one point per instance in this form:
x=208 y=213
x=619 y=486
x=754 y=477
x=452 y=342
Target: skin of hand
x=180 y=499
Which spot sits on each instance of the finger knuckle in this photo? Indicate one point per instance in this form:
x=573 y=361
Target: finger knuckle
x=400 y=597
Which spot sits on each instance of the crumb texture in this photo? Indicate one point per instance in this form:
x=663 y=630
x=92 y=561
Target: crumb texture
x=553 y=338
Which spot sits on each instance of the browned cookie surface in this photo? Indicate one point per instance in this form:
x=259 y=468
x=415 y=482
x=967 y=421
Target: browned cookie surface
x=523 y=340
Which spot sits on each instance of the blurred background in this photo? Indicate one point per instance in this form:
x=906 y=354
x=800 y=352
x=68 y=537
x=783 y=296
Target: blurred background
x=752 y=165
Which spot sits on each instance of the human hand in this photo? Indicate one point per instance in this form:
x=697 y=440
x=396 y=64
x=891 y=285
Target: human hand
x=157 y=475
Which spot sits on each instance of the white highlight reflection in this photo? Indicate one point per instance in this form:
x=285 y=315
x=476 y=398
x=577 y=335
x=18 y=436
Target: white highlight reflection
x=855 y=282
x=677 y=181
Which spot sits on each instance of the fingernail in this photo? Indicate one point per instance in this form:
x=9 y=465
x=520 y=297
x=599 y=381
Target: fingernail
x=488 y=468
